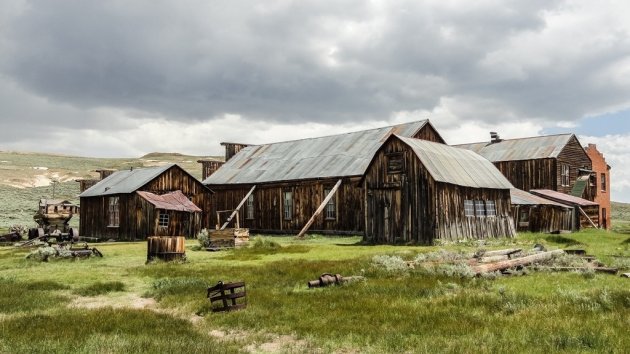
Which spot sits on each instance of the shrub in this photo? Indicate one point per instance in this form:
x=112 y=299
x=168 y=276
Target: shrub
x=391 y=264
x=204 y=238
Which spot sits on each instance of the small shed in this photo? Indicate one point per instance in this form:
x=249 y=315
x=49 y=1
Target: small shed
x=536 y=214
x=170 y=214
x=586 y=212
x=419 y=191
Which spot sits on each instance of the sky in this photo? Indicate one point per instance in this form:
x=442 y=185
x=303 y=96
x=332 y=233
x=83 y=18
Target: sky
x=125 y=78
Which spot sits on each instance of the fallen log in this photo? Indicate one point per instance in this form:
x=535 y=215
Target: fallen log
x=493 y=259
x=625 y=275
x=330 y=279
x=571 y=269
x=507 y=252
x=502 y=265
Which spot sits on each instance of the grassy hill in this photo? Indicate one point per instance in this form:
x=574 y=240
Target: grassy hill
x=621 y=217
x=27 y=177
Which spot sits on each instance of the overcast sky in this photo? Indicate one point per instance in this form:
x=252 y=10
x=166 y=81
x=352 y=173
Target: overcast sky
x=124 y=78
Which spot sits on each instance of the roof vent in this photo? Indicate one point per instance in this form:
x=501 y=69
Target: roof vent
x=494 y=138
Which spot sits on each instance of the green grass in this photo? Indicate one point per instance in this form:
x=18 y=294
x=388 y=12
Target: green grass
x=392 y=311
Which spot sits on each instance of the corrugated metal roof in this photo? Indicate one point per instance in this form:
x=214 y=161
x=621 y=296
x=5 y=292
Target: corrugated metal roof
x=539 y=147
x=170 y=201
x=125 y=181
x=457 y=166
x=562 y=198
x=520 y=197
x=330 y=156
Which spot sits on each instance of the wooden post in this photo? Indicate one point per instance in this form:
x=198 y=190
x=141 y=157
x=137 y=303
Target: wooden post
x=587 y=218
x=237 y=208
x=320 y=209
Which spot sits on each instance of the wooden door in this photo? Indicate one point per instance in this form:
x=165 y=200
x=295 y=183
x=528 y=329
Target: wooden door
x=385 y=221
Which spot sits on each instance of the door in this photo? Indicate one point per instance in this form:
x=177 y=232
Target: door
x=385 y=222
x=604 y=222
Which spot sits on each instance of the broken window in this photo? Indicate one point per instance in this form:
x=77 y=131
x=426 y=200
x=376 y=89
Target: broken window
x=564 y=175
x=395 y=163
x=250 y=207
x=603 y=178
x=288 y=205
x=331 y=206
x=469 y=208
x=479 y=208
x=113 y=212
x=163 y=219
x=491 y=209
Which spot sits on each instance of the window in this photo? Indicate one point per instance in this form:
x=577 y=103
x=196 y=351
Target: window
x=603 y=178
x=250 y=207
x=288 y=205
x=479 y=208
x=395 y=163
x=469 y=208
x=564 y=175
x=491 y=209
x=331 y=206
x=523 y=215
x=163 y=219
x=113 y=212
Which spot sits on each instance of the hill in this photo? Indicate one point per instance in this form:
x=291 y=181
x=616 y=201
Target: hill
x=27 y=177
x=620 y=217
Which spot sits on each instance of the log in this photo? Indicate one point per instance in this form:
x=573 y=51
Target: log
x=502 y=265
x=493 y=259
x=327 y=279
x=571 y=269
x=625 y=275
x=506 y=252
x=319 y=209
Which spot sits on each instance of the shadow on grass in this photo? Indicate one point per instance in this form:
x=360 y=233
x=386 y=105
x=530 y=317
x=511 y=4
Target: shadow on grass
x=566 y=241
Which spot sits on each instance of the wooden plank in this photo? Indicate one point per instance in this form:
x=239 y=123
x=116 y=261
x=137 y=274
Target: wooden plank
x=492 y=267
x=237 y=208
x=319 y=209
x=587 y=217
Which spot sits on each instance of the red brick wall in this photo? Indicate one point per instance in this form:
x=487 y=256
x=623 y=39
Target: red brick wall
x=603 y=196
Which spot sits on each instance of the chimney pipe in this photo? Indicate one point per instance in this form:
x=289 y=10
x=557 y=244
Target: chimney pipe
x=494 y=138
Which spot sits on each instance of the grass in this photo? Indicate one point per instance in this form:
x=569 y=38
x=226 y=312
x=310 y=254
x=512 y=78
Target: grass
x=392 y=311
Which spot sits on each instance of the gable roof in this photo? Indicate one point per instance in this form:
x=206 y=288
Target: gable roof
x=562 y=198
x=539 y=147
x=456 y=166
x=125 y=181
x=170 y=201
x=520 y=197
x=324 y=157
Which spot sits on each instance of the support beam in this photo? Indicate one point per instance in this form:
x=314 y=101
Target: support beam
x=587 y=218
x=237 y=208
x=319 y=210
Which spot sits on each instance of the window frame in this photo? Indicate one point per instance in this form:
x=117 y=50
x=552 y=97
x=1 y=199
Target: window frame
x=469 y=208
x=565 y=175
x=395 y=157
x=287 y=204
x=330 y=210
x=480 y=209
x=602 y=183
x=249 y=209
x=163 y=218
x=113 y=211
x=491 y=212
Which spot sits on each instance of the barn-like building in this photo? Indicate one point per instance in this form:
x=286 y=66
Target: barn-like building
x=137 y=203
x=533 y=213
x=292 y=178
x=418 y=191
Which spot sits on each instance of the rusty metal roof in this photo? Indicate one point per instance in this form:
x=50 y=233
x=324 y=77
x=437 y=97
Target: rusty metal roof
x=330 y=156
x=562 y=198
x=125 y=181
x=520 y=197
x=457 y=166
x=170 y=201
x=539 y=147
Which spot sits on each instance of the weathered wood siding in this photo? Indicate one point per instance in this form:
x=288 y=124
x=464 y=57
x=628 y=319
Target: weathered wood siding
x=530 y=174
x=573 y=155
x=427 y=132
x=180 y=223
x=410 y=207
x=135 y=219
x=268 y=213
x=543 y=218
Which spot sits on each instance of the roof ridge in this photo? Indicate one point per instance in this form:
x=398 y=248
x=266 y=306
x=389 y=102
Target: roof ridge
x=512 y=139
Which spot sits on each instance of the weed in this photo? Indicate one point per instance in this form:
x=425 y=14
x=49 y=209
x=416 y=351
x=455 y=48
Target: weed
x=100 y=288
x=390 y=264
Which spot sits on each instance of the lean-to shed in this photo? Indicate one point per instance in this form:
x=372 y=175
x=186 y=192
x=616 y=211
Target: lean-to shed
x=418 y=191
x=133 y=204
x=586 y=212
x=536 y=214
x=292 y=178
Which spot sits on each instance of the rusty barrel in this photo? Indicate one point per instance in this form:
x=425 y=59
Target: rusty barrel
x=167 y=248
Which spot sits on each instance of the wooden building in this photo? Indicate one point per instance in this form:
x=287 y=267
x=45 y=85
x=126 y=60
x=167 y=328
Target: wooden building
x=292 y=179
x=532 y=213
x=169 y=214
x=209 y=166
x=112 y=208
x=554 y=162
x=418 y=191
x=601 y=171
x=586 y=212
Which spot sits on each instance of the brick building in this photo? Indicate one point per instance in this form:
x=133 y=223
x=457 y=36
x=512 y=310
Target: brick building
x=602 y=182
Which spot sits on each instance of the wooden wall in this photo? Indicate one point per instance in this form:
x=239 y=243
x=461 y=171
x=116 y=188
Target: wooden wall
x=410 y=207
x=427 y=132
x=574 y=155
x=307 y=196
x=530 y=174
x=543 y=218
x=180 y=223
x=94 y=210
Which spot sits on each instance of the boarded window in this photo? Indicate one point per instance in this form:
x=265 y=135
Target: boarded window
x=491 y=209
x=479 y=208
x=395 y=163
x=163 y=219
x=603 y=183
x=331 y=206
x=564 y=176
x=250 y=207
x=469 y=208
x=113 y=212
x=288 y=205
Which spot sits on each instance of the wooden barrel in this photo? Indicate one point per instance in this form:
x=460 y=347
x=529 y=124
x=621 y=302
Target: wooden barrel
x=166 y=248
